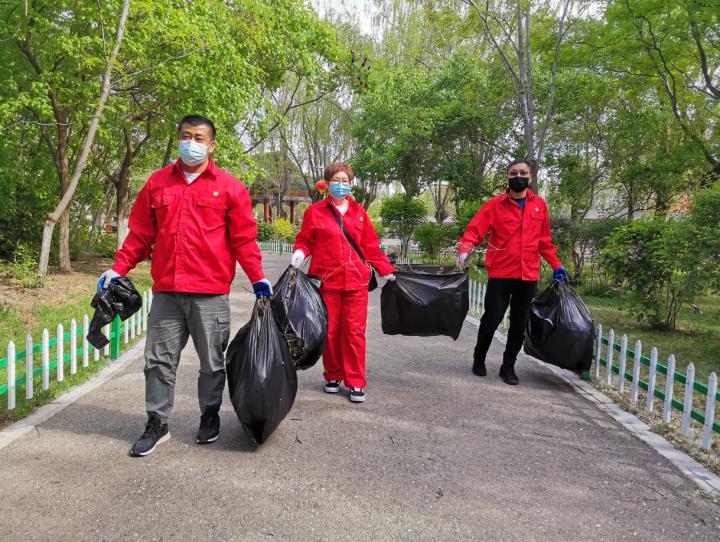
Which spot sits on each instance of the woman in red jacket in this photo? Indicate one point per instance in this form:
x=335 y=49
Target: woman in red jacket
x=344 y=274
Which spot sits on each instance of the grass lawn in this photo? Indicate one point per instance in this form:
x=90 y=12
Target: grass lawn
x=26 y=311
x=696 y=340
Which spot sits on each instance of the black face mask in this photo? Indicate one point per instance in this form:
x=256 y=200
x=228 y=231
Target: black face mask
x=518 y=184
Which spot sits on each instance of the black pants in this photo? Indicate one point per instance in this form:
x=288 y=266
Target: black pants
x=499 y=293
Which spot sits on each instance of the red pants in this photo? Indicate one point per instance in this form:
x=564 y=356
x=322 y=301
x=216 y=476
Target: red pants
x=344 y=355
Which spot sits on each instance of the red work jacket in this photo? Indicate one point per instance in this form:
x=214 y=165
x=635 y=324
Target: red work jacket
x=518 y=237
x=334 y=261
x=194 y=231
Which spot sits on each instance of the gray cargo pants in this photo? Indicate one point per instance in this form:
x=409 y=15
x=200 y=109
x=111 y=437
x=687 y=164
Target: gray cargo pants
x=173 y=318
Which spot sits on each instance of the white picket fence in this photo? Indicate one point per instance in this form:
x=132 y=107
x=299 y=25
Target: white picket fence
x=275 y=247
x=52 y=353
x=616 y=375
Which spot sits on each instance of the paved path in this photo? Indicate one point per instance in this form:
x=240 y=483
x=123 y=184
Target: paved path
x=434 y=454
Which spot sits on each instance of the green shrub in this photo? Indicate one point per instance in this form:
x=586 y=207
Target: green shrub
x=23 y=267
x=266 y=232
x=379 y=228
x=433 y=237
x=279 y=230
x=657 y=265
x=105 y=245
x=284 y=230
x=468 y=209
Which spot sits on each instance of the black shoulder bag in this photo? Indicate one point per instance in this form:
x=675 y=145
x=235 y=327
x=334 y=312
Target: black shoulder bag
x=372 y=283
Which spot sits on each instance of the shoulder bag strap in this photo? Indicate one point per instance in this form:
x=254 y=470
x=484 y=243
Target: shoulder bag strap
x=347 y=235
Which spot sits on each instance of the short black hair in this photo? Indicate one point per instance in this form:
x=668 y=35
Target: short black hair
x=516 y=162
x=197 y=120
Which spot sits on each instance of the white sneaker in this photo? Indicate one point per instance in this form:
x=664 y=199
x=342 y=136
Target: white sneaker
x=357 y=395
x=332 y=386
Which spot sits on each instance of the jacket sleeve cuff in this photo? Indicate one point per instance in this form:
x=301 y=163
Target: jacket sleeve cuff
x=305 y=250
x=465 y=246
x=121 y=269
x=255 y=276
x=385 y=269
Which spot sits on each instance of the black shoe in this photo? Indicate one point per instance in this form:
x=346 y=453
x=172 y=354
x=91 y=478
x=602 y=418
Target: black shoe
x=357 y=395
x=479 y=369
x=507 y=373
x=209 y=430
x=332 y=386
x=155 y=433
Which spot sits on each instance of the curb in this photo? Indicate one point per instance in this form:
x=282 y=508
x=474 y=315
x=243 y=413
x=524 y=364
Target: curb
x=20 y=428
x=703 y=477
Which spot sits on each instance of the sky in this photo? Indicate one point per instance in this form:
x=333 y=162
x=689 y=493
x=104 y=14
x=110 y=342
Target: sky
x=361 y=11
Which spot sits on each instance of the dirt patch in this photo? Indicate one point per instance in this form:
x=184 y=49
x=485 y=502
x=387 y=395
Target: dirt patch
x=60 y=289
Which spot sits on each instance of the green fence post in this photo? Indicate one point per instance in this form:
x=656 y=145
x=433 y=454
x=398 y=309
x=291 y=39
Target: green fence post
x=115 y=338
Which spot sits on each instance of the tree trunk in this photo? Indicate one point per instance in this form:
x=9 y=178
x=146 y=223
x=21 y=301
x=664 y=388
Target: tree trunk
x=168 y=151
x=64 y=173
x=100 y=214
x=123 y=211
x=82 y=160
x=122 y=187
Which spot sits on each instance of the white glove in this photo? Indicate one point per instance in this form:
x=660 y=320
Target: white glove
x=390 y=277
x=462 y=260
x=298 y=258
x=106 y=278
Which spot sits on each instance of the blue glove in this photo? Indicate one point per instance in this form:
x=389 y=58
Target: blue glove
x=106 y=278
x=560 y=275
x=262 y=288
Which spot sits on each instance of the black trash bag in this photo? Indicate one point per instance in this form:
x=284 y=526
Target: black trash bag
x=119 y=298
x=560 y=330
x=302 y=316
x=425 y=300
x=261 y=377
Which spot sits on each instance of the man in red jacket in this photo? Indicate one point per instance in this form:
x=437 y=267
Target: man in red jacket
x=519 y=227
x=196 y=221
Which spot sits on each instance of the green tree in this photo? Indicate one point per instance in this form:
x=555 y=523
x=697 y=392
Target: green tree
x=401 y=214
x=672 y=48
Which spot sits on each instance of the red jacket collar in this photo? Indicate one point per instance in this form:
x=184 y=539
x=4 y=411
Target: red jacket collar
x=351 y=202
x=530 y=195
x=211 y=168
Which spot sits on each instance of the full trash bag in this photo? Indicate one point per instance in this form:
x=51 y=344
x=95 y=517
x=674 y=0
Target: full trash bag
x=560 y=330
x=302 y=316
x=261 y=377
x=425 y=300
x=119 y=298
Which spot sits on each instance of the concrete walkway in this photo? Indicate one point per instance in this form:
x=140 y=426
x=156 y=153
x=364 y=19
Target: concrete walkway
x=434 y=454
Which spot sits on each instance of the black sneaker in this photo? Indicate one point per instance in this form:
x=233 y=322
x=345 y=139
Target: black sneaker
x=209 y=430
x=507 y=373
x=357 y=395
x=479 y=368
x=155 y=433
x=332 y=386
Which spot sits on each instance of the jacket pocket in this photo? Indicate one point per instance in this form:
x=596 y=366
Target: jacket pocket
x=161 y=204
x=211 y=210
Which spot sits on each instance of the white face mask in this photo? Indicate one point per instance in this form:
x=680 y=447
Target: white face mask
x=191 y=152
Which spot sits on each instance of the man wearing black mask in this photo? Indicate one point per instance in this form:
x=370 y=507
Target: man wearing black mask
x=519 y=227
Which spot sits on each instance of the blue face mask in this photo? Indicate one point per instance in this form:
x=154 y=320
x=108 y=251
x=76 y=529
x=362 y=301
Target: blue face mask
x=191 y=152
x=339 y=190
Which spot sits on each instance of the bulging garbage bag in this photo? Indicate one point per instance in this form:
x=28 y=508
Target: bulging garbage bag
x=425 y=300
x=120 y=298
x=261 y=377
x=302 y=316
x=560 y=330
